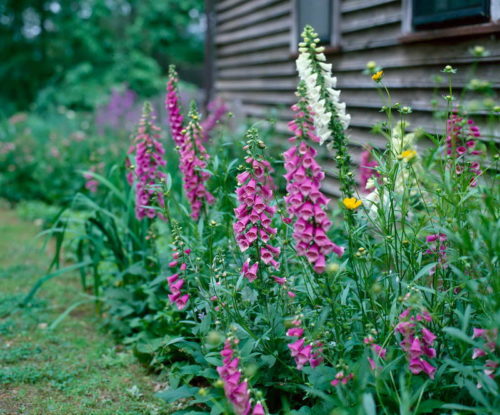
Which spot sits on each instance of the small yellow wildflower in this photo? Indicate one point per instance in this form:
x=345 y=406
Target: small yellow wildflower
x=408 y=155
x=377 y=77
x=352 y=203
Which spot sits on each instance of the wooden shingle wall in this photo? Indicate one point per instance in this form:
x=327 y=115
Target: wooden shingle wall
x=255 y=69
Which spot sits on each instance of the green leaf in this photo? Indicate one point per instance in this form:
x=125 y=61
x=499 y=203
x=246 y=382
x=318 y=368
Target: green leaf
x=213 y=360
x=369 y=404
x=149 y=346
x=429 y=406
x=424 y=271
x=48 y=277
x=63 y=315
x=268 y=359
x=190 y=370
x=172 y=395
x=458 y=334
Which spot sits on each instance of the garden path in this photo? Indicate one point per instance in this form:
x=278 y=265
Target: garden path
x=74 y=368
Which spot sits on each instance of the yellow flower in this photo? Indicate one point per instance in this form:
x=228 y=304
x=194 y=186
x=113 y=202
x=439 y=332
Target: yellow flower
x=352 y=203
x=377 y=77
x=407 y=155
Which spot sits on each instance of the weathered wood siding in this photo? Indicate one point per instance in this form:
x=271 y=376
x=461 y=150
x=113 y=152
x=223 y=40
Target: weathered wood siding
x=255 y=68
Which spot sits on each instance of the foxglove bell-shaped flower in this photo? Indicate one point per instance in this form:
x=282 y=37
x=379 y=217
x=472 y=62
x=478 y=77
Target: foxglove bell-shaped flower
x=235 y=387
x=175 y=282
x=417 y=345
x=301 y=351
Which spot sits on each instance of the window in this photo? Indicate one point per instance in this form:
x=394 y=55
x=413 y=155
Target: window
x=320 y=14
x=432 y=14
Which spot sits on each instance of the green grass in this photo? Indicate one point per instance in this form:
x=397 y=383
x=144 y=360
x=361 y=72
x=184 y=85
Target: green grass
x=73 y=369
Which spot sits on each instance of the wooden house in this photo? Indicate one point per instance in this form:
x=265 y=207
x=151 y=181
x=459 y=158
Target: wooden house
x=253 y=46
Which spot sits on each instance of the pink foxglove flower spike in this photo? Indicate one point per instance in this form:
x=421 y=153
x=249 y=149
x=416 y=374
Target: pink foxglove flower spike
x=173 y=108
x=302 y=352
x=305 y=202
x=461 y=141
x=235 y=386
x=177 y=281
x=417 y=345
x=148 y=152
x=193 y=161
x=193 y=155
x=254 y=213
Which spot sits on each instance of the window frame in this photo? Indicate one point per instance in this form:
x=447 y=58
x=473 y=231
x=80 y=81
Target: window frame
x=407 y=18
x=335 y=26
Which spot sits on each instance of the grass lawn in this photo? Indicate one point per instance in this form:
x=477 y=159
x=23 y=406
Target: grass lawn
x=73 y=369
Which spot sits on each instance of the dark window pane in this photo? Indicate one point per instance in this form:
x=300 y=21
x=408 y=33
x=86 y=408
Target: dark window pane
x=318 y=14
x=442 y=13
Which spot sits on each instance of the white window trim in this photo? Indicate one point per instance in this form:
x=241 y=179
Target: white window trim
x=335 y=35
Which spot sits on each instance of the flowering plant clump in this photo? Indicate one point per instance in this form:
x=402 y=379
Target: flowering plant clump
x=305 y=201
x=148 y=154
x=404 y=321
x=254 y=214
x=120 y=108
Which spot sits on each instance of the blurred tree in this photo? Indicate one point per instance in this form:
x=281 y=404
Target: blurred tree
x=70 y=52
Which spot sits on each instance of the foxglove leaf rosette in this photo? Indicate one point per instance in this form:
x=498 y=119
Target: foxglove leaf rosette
x=304 y=201
x=147 y=151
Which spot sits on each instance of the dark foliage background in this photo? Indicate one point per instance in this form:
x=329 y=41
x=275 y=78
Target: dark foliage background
x=71 y=52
